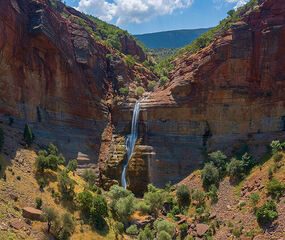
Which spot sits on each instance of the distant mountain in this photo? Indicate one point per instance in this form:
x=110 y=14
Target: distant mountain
x=170 y=39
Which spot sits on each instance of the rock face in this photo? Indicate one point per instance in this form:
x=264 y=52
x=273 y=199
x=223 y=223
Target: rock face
x=32 y=213
x=54 y=75
x=226 y=95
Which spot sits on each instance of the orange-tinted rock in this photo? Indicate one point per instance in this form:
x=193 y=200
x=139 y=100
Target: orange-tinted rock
x=32 y=213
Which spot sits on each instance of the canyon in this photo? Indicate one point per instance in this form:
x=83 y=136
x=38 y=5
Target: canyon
x=56 y=77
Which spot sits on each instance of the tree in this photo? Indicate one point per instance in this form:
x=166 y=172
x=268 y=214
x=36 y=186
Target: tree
x=39 y=203
x=85 y=200
x=165 y=226
x=199 y=197
x=146 y=234
x=124 y=91
x=89 y=175
x=235 y=168
x=125 y=207
x=276 y=147
x=51 y=216
x=28 y=135
x=132 y=230
x=183 y=194
x=213 y=193
x=116 y=192
x=65 y=185
x=98 y=211
x=231 y=12
x=210 y=174
x=163 y=80
x=154 y=198
x=130 y=61
x=72 y=165
x=164 y=236
x=254 y=198
x=275 y=188
x=139 y=91
x=266 y=213
x=219 y=160
x=1 y=139
x=67 y=226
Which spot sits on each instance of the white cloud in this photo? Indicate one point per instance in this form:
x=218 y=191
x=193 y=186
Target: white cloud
x=125 y=11
x=239 y=3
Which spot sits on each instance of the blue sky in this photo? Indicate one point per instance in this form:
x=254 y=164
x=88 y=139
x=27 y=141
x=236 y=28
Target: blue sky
x=144 y=16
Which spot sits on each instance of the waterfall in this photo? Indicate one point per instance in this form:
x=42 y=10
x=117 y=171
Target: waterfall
x=131 y=141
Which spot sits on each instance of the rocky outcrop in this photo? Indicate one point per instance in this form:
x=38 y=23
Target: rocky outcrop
x=227 y=95
x=32 y=213
x=54 y=75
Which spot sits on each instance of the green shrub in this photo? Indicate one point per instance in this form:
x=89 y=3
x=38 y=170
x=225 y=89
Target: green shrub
x=28 y=135
x=270 y=172
x=119 y=227
x=254 y=199
x=72 y=165
x=235 y=168
x=266 y=213
x=130 y=61
x=39 y=202
x=163 y=235
x=276 y=147
x=163 y=80
x=275 y=188
x=65 y=185
x=237 y=232
x=183 y=194
x=210 y=174
x=1 y=139
x=98 y=211
x=146 y=234
x=199 y=197
x=124 y=91
x=213 y=193
x=277 y=157
x=51 y=217
x=67 y=227
x=219 y=160
x=164 y=225
x=151 y=85
x=18 y=178
x=132 y=230
x=230 y=224
x=154 y=198
x=41 y=183
x=89 y=175
x=138 y=79
x=108 y=57
x=182 y=227
x=143 y=207
x=139 y=91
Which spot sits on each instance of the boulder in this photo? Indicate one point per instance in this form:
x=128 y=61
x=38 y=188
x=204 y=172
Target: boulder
x=201 y=229
x=17 y=224
x=32 y=213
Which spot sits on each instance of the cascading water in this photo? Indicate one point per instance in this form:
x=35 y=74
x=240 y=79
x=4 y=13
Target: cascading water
x=131 y=141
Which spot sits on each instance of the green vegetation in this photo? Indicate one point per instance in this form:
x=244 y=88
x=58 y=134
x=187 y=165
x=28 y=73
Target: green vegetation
x=90 y=176
x=139 y=91
x=254 y=198
x=72 y=165
x=39 y=202
x=151 y=85
x=210 y=174
x=183 y=195
x=124 y=91
x=65 y=185
x=235 y=168
x=28 y=135
x=51 y=217
x=132 y=230
x=163 y=80
x=266 y=213
x=49 y=159
x=275 y=188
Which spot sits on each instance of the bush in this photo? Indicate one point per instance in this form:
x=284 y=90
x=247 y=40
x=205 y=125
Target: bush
x=199 y=197
x=182 y=227
x=124 y=91
x=266 y=213
x=98 y=211
x=119 y=227
x=146 y=234
x=132 y=230
x=210 y=174
x=183 y=194
x=151 y=85
x=89 y=175
x=41 y=183
x=130 y=61
x=277 y=157
x=235 y=168
x=219 y=160
x=138 y=79
x=163 y=80
x=39 y=203
x=139 y=91
x=276 y=147
x=254 y=198
x=213 y=193
x=1 y=139
x=18 y=178
x=164 y=236
x=143 y=207
x=164 y=226
x=65 y=185
x=154 y=198
x=49 y=159
x=50 y=216
x=67 y=226
x=237 y=232
x=28 y=135
x=72 y=165
x=275 y=188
